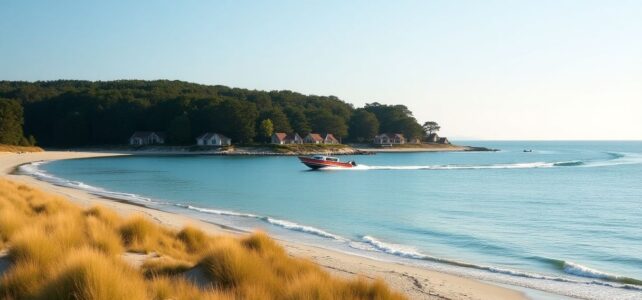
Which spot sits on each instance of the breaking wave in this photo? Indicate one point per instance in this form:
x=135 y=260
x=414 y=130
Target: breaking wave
x=576 y=269
x=276 y=222
x=372 y=244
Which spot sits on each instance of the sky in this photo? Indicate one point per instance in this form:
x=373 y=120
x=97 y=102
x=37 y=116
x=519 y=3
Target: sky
x=516 y=70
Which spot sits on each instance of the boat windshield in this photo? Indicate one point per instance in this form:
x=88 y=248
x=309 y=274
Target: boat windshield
x=331 y=159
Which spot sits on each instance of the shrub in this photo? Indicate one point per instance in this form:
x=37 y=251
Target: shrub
x=194 y=239
x=164 y=266
x=138 y=234
x=89 y=274
x=22 y=281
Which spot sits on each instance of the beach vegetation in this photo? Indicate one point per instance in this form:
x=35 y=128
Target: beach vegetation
x=57 y=250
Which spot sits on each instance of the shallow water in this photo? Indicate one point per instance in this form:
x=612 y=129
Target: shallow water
x=566 y=217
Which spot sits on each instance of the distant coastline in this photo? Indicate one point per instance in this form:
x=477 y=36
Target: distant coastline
x=278 y=150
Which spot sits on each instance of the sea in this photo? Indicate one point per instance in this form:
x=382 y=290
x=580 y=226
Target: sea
x=565 y=218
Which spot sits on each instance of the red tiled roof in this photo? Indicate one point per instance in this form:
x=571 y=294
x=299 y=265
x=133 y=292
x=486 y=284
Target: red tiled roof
x=316 y=137
x=331 y=137
x=281 y=136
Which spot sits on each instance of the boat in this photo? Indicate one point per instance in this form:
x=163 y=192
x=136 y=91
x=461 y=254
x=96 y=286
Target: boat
x=528 y=150
x=319 y=161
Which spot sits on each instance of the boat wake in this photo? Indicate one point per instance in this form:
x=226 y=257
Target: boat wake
x=613 y=159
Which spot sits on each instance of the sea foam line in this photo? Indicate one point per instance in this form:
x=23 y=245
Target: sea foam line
x=34 y=170
x=273 y=221
x=374 y=244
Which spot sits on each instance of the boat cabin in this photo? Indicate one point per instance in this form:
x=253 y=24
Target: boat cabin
x=325 y=158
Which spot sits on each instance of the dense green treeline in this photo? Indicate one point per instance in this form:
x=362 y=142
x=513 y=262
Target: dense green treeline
x=79 y=113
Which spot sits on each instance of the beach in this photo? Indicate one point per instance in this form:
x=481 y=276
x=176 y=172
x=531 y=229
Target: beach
x=415 y=282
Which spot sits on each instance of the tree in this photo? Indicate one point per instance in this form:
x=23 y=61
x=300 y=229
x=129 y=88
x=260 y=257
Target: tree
x=325 y=122
x=299 y=121
x=363 y=125
x=11 y=120
x=431 y=126
x=179 y=131
x=266 y=129
x=279 y=120
x=395 y=119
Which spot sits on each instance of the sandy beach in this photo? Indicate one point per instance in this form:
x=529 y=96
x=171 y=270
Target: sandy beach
x=415 y=282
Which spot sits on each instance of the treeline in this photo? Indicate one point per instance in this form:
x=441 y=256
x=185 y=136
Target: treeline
x=79 y=113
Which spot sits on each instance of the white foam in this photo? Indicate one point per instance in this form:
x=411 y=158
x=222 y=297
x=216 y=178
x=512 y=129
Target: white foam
x=583 y=271
x=530 y=165
x=218 y=211
x=33 y=170
x=277 y=222
x=302 y=228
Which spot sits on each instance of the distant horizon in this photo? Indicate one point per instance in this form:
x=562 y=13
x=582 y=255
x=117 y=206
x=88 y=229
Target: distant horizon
x=495 y=70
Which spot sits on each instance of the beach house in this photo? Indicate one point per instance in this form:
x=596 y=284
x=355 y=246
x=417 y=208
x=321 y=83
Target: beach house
x=282 y=138
x=140 y=138
x=330 y=139
x=313 y=138
x=390 y=139
x=432 y=138
x=213 y=139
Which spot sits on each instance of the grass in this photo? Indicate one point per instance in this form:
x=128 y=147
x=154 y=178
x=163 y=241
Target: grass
x=19 y=149
x=60 y=251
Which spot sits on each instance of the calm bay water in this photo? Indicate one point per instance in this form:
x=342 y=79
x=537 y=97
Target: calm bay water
x=565 y=218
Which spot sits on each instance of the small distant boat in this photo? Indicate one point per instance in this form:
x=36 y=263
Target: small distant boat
x=528 y=150
x=320 y=161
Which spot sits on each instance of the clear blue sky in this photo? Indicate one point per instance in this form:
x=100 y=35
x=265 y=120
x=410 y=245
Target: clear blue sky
x=482 y=69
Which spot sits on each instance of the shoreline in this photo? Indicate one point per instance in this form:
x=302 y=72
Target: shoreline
x=414 y=281
x=275 y=150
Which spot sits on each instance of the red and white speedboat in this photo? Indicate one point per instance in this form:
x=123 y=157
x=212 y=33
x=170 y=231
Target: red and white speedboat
x=320 y=161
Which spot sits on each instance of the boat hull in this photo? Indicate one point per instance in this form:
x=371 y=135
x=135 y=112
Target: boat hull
x=320 y=164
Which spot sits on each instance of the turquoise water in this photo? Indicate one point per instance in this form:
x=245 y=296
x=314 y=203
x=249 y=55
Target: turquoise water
x=565 y=218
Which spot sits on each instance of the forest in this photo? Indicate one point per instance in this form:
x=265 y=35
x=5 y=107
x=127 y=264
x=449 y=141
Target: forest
x=73 y=113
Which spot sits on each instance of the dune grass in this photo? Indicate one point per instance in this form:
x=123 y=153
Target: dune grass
x=60 y=251
x=19 y=149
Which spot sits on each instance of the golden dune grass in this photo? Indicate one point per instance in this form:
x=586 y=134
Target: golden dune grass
x=19 y=149
x=60 y=251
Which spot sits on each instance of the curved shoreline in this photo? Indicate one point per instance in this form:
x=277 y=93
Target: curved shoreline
x=414 y=281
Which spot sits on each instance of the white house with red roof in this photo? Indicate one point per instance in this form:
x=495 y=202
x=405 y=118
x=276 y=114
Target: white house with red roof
x=313 y=138
x=282 y=138
x=330 y=139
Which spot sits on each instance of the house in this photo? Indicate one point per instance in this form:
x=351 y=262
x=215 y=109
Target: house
x=443 y=140
x=140 y=138
x=330 y=139
x=213 y=139
x=281 y=138
x=313 y=138
x=432 y=138
x=388 y=138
